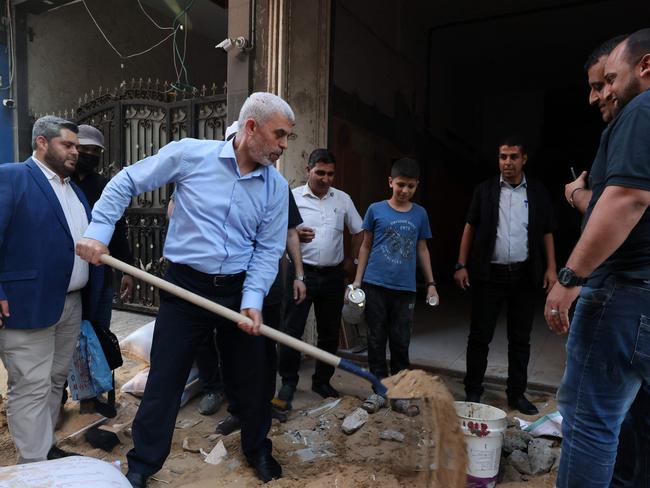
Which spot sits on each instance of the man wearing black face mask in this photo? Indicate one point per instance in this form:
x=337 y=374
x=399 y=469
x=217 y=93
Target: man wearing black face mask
x=91 y=147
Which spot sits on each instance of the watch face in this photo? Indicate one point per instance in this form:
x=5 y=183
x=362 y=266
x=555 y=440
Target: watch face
x=567 y=277
x=564 y=276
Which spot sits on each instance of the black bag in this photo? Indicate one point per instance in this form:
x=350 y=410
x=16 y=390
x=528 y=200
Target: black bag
x=110 y=346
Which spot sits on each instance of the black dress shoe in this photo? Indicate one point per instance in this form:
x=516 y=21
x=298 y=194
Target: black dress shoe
x=137 y=480
x=325 y=390
x=228 y=425
x=265 y=466
x=94 y=405
x=473 y=397
x=522 y=404
x=56 y=453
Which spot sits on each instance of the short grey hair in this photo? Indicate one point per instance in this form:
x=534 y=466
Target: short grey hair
x=50 y=127
x=259 y=106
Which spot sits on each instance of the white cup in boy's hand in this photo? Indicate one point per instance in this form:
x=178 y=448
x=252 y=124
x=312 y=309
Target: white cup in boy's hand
x=306 y=234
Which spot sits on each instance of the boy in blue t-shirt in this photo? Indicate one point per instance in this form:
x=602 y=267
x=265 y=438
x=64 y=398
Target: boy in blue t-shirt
x=395 y=233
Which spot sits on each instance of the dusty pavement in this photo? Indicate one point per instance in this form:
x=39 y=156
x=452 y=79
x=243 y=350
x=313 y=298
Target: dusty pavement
x=311 y=447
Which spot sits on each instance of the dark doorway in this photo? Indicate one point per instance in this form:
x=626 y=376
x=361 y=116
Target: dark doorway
x=443 y=81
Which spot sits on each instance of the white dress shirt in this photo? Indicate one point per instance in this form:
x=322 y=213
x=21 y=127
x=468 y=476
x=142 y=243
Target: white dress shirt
x=75 y=216
x=511 y=245
x=327 y=216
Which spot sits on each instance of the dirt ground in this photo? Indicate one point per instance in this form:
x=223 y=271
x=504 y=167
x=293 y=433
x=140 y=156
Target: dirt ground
x=311 y=447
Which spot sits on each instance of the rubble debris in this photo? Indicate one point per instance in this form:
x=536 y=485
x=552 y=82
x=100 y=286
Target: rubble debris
x=516 y=439
x=217 y=454
x=195 y=444
x=541 y=455
x=324 y=408
x=354 y=421
x=391 y=435
x=187 y=423
x=520 y=461
x=509 y=473
x=311 y=453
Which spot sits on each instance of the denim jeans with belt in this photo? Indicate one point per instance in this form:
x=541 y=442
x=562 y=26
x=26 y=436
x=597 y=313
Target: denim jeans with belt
x=608 y=364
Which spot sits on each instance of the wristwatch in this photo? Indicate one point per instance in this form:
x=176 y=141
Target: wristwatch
x=431 y=283
x=300 y=277
x=568 y=278
x=458 y=266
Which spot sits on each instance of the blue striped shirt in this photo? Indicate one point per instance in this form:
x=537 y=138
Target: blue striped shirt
x=223 y=223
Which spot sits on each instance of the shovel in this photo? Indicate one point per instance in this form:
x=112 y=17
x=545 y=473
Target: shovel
x=265 y=330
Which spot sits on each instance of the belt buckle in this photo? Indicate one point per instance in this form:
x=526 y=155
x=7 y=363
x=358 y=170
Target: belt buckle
x=216 y=278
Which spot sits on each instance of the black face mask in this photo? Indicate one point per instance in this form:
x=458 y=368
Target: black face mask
x=86 y=163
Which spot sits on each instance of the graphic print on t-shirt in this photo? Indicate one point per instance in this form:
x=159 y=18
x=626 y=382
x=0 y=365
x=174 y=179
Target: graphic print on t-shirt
x=400 y=239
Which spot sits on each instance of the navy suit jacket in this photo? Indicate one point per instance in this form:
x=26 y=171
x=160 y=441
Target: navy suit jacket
x=37 y=250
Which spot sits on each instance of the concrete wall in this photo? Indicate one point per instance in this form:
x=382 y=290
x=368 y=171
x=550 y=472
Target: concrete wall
x=67 y=56
x=295 y=64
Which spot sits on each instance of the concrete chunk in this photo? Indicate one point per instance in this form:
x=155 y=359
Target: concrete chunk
x=520 y=461
x=541 y=456
x=391 y=435
x=354 y=421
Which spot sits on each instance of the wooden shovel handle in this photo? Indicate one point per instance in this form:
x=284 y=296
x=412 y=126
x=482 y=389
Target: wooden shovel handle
x=220 y=310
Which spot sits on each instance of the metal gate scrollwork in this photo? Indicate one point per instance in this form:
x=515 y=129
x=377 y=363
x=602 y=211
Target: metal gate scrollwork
x=137 y=119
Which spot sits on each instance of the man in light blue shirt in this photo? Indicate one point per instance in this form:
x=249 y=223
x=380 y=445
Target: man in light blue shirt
x=225 y=238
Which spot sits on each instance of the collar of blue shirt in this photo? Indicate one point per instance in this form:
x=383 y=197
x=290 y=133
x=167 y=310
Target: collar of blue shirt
x=228 y=152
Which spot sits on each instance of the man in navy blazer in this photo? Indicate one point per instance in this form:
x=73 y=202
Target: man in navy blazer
x=45 y=290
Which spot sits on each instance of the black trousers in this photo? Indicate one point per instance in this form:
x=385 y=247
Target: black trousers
x=180 y=329
x=271 y=313
x=325 y=288
x=389 y=315
x=516 y=292
x=209 y=364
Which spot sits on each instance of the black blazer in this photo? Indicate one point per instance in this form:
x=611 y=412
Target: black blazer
x=483 y=215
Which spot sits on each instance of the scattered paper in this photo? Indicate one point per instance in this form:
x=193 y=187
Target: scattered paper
x=217 y=454
x=549 y=424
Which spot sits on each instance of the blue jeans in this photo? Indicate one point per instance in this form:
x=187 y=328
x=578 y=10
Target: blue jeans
x=608 y=363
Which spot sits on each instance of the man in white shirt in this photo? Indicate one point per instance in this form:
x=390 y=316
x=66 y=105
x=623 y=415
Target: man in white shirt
x=42 y=283
x=325 y=211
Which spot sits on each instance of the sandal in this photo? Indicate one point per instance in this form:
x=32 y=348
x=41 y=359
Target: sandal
x=406 y=407
x=373 y=403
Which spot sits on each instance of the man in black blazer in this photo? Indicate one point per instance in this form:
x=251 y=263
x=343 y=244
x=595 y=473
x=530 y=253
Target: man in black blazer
x=509 y=231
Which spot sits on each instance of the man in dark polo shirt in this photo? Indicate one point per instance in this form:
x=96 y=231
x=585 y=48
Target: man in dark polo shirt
x=509 y=231
x=608 y=349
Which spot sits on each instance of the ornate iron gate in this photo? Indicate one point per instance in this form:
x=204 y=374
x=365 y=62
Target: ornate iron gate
x=138 y=119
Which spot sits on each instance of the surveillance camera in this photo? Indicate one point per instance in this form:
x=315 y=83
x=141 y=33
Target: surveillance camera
x=9 y=102
x=242 y=43
x=226 y=45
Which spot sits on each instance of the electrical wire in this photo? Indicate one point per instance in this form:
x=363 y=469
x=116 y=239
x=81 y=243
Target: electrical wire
x=178 y=85
x=178 y=58
x=122 y=56
x=149 y=17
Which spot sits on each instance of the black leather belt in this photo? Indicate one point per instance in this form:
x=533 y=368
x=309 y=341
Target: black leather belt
x=214 y=279
x=509 y=267
x=321 y=269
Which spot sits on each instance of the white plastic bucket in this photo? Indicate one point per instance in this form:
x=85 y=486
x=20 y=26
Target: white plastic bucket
x=483 y=427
